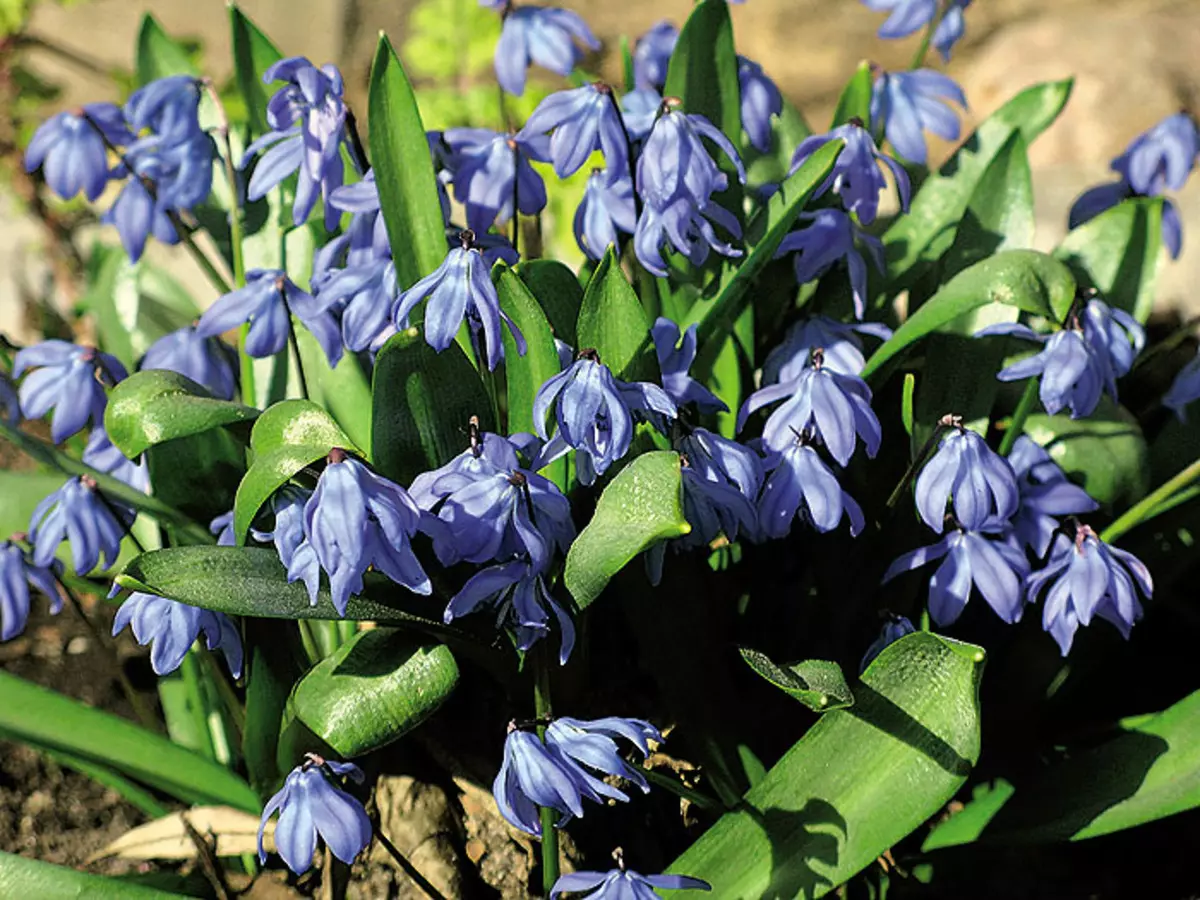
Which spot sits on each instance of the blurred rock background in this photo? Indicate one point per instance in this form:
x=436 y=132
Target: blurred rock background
x=1134 y=62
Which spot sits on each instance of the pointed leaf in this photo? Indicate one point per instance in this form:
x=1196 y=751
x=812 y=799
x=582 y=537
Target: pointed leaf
x=613 y=323
x=703 y=71
x=558 y=292
x=253 y=54
x=855 y=99
x=160 y=55
x=817 y=683
x=524 y=374
x=22 y=877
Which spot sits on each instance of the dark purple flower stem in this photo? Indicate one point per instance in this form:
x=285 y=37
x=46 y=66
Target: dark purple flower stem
x=637 y=198
x=358 y=150
x=947 y=421
x=403 y=862
x=295 y=345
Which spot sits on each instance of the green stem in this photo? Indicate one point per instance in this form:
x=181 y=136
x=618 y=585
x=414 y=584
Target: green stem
x=918 y=59
x=229 y=698
x=681 y=790
x=189 y=671
x=235 y=208
x=215 y=278
x=1152 y=504
x=1017 y=426
x=309 y=642
x=544 y=710
x=409 y=869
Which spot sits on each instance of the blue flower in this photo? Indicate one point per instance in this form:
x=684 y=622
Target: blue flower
x=583 y=120
x=295 y=551
x=490 y=167
x=70 y=149
x=517 y=590
x=950 y=30
x=904 y=105
x=169 y=107
x=623 y=884
x=222 y=529
x=487 y=453
x=840 y=346
x=995 y=566
x=1096 y=200
x=965 y=471
x=172 y=627
x=801 y=484
x=77 y=513
x=460 y=287
x=103 y=456
x=856 y=176
x=652 y=55
x=1045 y=494
x=69 y=380
x=17 y=575
x=595 y=414
x=532 y=776
x=1086 y=578
x=267 y=303
x=607 y=208
x=907 y=16
x=639 y=111
x=1160 y=158
x=893 y=629
x=674 y=359
x=1184 y=389
x=205 y=360
x=588 y=746
x=835 y=407
x=307 y=118
x=311 y=805
x=1116 y=337
x=10 y=402
x=760 y=100
x=542 y=35
x=831 y=237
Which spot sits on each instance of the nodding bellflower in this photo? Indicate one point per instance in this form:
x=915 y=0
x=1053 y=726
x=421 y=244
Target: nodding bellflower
x=205 y=360
x=833 y=237
x=68 y=379
x=607 y=209
x=802 y=485
x=589 y=746
x=102 y=455
x=461 y=287
x=311 y=805
x=267 y=303
x=1086 y=577
x=652 y=55
x=595 y=413
x=583 y=120
x=169 y=107
x=537 y=34
x=904 y=105
x=77 y=513
x=909 y=16
x=172 y=627
x=893 y=629
x=1184 y=389
x=307 y=117
x=70 y=149
x=760 y=101
x=17 y=575
x=623 y=884
x=222 y=529
x=840 y=345
x=295 y=551
x=856 y=177
x=639 y=111
x=966 y=473
x=986 y=559
x=675 y=357
x=951 y=29
x=356 y=519
x=491 y=167
x=1045 y=493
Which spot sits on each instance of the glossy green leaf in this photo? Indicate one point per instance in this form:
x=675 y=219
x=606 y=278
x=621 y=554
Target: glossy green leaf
x=558 y=292
x=855 y=99
x=423 y=403
x=403 y=168
x=642 y=506
x=525 y=373
x=915 y=241
x=271 y=671
x=198 y=475
x=613 y=323
x=154 y=406
x=160 y=55
x=703 y=71
x=286 y=438
x=968 y=823
x=44 y=718
x=1025 y=279
x=23 y=877
x=376 y=688
x=817 y=683
x=253 y=54
x=860 y=780
x=344 y=390
x=1119 y=253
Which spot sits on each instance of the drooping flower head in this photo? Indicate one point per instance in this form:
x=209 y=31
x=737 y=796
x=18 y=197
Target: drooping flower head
x=205 y=360
x=70 y=149
x=1046 y=494
x=169 y=107
x=893 y=629
x=622 y=883
x=675 y=358
x=1184 y=389
x=535 y=34
x=909 y=16
x=856 y=177
x=760 y=101
x=582 y=120
x=841 y=347
x=491 y=167
x=18 y=573
x=951 y=29
x=172 y=627
x=831 y=238
x=94 y=526
x=606 y=210
x=652 y=55
x=70 y=380
x=802 y=486
x=1160 y=158
x=968 y=475
x=291 y=541
x=103 y=456
x=904 y=105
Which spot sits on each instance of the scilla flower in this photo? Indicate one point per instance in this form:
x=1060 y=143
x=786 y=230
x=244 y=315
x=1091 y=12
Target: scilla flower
x=675 y=357
x=802 y=485
x=856 y=177
x=10 y=402
x=103 y=456
x=831 y=238
x=70 y=380
x=491 y=167
x=967 y=473
x=841 y=347
x=1046 y=494
x=606 y=210
x=760 y=100
x=893 y=629
x=172 y=627
x=1184 y=389
x=17 y=575
x=311 y=805
x=652 y=55
x=536 y=34
x=904 y=105
x=295 y=551
x=70 y=149
x=169 y=107
x=622 y=883
x=909 y=16
x=77 y=513
x=205 y=360
x=582 y=120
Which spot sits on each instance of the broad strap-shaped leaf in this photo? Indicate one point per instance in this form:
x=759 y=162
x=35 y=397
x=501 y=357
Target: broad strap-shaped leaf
x=156 y=406
x=271 y=672
x=286 y=438
x=23 y=877
x=703 y=71
x=559 y=293
x=1119 y=253
x=817 y=683
x=860 y=780
x=158 y=54
x=404 y=170
x=253 y=54
x=613 y=322
x=855 y=99
x=524 y=374
x=423 y=403
x=376 y=688
x=344 y=390
x=1025 y=279
x=642 y=506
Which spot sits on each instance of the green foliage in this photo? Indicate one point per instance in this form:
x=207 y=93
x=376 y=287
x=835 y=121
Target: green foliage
x=817 y=683
x=613 y=323
x=253 y=54
x=160 y=55
x=22 y=877
x=855 y=99
x=524 y=374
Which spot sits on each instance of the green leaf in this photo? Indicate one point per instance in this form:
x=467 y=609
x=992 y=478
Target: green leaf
x=154 y=406
x=860 y=780
x=42 y=718
x=817 y=683
x=1118 y=253
x=642 y=505
x=968 y=823
x=271 y=672
x=253 y=54
x=286 y=438
x=22 y=492
x=1025 y=279
x=613 y=323
x=1106 y=452
x=559 y=293
x=160 y=55
x=787 y=131
x=855 y=100
x=524 y=374
x=703 y=71
x=404 y=173
x=376 y=688
x=423 y=402
x=915 y=241
x=344 y=390
x=22 y=877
